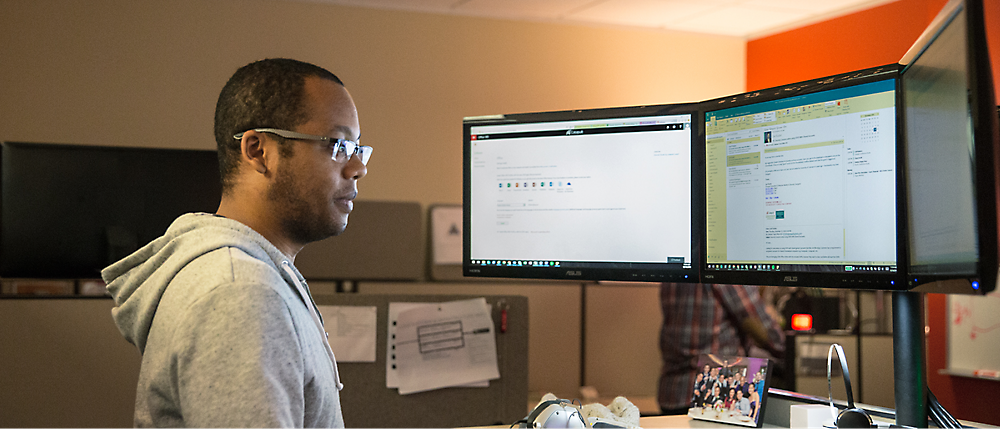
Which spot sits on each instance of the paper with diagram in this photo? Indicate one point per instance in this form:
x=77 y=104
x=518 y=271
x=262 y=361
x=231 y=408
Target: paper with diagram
x=445 y=344
x=391 y=368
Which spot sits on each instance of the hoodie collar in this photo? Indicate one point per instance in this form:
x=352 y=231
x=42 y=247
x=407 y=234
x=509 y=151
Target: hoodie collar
x=138 y=281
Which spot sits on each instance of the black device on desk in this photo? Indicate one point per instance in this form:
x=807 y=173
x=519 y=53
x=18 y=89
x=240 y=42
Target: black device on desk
x=852 y=416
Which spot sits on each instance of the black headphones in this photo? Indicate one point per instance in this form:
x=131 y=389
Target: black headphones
x=852 y=417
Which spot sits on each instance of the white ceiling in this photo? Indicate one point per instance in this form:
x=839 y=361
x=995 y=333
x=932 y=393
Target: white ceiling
x=748 y=19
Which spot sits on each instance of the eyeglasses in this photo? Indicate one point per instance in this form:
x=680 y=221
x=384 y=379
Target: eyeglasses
x=343 y=149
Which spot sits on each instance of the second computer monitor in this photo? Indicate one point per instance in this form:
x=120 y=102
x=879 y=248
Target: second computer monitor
x=601 y=194
x=801 y=184
x=952 y=141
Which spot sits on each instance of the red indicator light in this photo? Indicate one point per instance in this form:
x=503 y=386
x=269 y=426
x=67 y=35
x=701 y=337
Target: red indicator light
x=802 y=322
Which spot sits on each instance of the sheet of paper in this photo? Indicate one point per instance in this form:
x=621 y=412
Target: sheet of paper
x=391 y=368
x=445 y=344
x=391 y=371
x=352 y=331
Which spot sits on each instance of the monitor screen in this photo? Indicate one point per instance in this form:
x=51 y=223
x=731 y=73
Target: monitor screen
x=68 y=211
x=801 y=184
x=592 y=194
x=950 y=123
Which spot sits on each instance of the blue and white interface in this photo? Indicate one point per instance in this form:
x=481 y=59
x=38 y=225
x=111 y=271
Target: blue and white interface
x=806 y=183
x=582 y=193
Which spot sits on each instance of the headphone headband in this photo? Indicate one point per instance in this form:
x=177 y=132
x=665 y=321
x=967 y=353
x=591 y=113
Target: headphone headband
x=851 y=417
x=843 y=367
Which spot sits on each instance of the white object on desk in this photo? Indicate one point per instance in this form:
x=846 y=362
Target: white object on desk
x=810 y=416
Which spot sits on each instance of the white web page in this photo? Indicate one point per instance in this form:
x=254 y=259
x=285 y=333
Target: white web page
x=821 y=190
x=619 y=197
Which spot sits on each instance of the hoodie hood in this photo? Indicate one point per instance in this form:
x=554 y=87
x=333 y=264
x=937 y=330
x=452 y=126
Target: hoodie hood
x=138 y=281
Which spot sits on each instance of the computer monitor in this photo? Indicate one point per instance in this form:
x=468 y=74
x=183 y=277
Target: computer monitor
x=951 y=146
x=602 y=194
x=68 y=211
x=800 y=184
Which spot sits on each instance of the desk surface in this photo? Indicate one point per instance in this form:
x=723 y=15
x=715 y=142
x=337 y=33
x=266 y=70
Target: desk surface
x=667 y=422
x=685 y=422
x=682 y=421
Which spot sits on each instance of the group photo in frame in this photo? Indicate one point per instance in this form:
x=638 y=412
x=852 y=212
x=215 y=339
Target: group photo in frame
x=730 y=389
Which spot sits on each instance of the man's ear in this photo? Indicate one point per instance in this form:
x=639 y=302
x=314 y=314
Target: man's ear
x=252 y=151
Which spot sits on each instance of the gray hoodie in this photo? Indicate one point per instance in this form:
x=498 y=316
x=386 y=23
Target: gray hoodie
x=226 y=337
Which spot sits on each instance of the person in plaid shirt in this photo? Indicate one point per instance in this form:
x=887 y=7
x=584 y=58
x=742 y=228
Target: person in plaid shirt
x=724 y=320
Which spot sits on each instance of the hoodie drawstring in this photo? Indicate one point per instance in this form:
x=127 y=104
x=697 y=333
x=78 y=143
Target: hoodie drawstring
x=315 y=316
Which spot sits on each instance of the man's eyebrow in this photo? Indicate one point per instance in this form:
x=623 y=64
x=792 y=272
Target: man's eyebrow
x=347 y=132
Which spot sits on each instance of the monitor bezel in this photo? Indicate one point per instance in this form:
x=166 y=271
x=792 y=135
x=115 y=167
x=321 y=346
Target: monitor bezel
x=98 y=225
x=986 y=136
x=847 y=280
x=617 y=271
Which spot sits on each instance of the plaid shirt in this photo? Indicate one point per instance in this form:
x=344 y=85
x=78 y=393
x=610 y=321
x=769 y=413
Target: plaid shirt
x=701 y=319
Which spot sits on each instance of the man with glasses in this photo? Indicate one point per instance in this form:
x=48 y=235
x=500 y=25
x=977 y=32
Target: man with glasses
x=227 y=328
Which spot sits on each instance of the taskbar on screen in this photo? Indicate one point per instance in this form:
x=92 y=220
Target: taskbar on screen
x=815 y=268
x=680 y=264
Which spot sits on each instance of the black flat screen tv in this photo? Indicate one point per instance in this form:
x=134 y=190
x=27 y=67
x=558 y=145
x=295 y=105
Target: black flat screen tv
x=68 y=211
x=601 y=194
x=801 y=184
x=951 y=143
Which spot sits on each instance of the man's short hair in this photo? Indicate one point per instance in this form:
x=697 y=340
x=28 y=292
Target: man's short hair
x=263 y=94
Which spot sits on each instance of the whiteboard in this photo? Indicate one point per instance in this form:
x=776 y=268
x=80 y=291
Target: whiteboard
x=974 y=335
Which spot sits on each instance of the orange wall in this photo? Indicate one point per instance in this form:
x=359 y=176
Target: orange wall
x=869 y=38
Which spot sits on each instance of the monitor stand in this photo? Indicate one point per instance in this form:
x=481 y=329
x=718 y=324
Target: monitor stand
x=909 y=361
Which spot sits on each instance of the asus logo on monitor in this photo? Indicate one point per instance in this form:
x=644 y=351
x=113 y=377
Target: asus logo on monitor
x=791 y=278
x=574 y=273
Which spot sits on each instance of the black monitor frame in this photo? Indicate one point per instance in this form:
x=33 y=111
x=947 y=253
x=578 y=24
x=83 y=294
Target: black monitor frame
x=68 y=211
x=613 y=271
x=790 y=276
x=976 y=277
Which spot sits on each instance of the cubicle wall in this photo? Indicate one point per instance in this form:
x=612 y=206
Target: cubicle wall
x=367 y=402
x=384 y=241
x=598 y=335
x=63 y=363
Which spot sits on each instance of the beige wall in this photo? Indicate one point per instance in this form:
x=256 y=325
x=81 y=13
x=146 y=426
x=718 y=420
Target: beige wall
x=147 y=73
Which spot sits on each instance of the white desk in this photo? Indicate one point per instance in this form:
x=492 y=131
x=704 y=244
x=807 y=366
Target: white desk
x=666 y=422
x=687 y=422
x=683 y=422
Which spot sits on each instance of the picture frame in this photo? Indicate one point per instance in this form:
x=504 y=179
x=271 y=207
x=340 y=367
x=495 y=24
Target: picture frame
x=444 y=242
x=730 y=389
